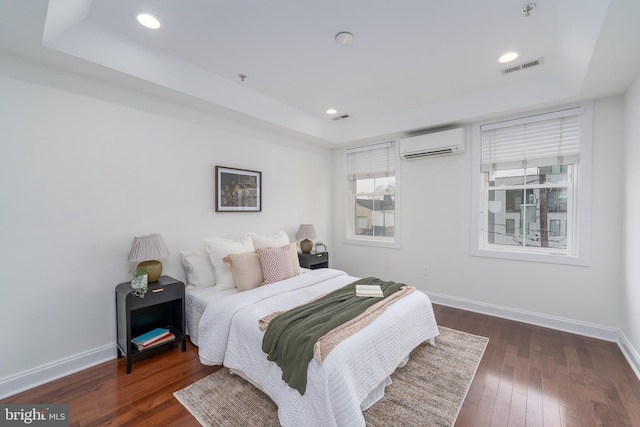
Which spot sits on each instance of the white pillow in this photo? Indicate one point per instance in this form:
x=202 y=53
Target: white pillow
x=198 y=269
x=219 y=248
x=275 y=241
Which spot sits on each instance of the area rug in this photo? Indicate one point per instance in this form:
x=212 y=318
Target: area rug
x=428 y=391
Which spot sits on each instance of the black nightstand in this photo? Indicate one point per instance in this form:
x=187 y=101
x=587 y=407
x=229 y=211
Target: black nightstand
x=314 y=260
x=161 y=307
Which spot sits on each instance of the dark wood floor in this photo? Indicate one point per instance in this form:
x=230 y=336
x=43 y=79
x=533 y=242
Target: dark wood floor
x=529 y=376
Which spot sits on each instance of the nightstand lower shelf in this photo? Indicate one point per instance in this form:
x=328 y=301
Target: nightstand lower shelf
x=178 y=337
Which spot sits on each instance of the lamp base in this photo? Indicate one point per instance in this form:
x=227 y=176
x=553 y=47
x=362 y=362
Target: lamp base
x=306 y=245
x=154 y=269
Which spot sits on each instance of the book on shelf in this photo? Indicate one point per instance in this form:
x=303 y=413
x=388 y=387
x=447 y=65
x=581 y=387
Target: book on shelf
x=151 y=336
x=369 y=291
x=161 y=340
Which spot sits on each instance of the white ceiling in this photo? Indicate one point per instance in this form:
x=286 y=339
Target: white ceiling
x=413 y=64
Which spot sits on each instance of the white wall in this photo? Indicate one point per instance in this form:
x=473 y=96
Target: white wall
x=631 y=291
x=436 y=217
x=85 y=166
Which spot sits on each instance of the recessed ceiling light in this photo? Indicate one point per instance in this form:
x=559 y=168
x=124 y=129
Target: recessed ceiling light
x=149 y=21
x=508 y=57
x=332 y=111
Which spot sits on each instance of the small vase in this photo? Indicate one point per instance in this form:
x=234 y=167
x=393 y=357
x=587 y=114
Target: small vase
x=139 y=282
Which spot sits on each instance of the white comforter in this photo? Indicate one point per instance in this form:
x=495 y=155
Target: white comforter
x=230 y=335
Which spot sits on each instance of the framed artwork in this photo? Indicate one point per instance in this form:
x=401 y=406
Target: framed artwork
x=238 y=190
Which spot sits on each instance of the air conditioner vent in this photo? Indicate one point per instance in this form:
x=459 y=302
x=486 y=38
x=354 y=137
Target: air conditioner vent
x=344 y=116
x=440 y=143
x=429 y=153
x=523 y=66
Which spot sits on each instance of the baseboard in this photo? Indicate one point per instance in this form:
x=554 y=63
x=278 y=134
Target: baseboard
x=52 y=371
x=630 y=353
x=558 y=323
x=552 y=322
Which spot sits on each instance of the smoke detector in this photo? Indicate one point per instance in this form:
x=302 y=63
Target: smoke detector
x=344 y=37
x=527 y=9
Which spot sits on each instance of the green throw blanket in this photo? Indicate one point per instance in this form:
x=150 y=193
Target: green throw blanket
x=290 y=336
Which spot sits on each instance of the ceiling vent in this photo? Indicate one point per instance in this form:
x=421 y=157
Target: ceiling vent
x=523 y=66
x=433 y=144
x=344 y=116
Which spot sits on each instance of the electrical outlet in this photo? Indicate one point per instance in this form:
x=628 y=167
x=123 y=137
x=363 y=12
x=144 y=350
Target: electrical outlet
x=425 y=270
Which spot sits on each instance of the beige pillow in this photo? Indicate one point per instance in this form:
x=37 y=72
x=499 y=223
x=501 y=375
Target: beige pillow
x=295 y=261
x=263 y=241
x=246 y=270
x=198 y=269
x=219 y=248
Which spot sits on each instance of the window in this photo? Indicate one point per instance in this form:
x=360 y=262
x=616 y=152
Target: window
x=531 y=194
x=372 y=189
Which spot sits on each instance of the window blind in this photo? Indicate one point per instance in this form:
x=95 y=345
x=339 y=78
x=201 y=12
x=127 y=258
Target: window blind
x=371 y=161
x=544 y=140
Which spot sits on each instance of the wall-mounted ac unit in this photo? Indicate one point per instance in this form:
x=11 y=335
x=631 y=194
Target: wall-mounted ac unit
x=433 y=144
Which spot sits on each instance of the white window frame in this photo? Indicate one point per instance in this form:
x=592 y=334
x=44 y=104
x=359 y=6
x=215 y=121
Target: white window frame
x=376 y=241
x=580 y=221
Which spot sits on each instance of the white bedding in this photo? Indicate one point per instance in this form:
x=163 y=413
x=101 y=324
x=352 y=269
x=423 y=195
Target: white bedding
x=229 y=335
x=197 y=301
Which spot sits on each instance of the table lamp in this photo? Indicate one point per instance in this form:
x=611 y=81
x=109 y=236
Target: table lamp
x=147 y=250
x=306 y=232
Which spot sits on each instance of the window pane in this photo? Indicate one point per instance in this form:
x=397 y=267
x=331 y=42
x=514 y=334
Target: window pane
x=513 y=223
x=385 y=185
x=556 y=199
x=514 y=198
x=514 y=177
x=554 y=174
x=543 y=175
x=375 y=215
x=510 y=227
x=365 y=185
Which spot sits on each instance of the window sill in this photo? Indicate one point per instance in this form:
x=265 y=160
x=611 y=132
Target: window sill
x=552 y=258
x=372 y=242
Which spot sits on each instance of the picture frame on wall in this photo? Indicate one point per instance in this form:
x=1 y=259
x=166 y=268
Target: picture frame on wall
x=238 y=190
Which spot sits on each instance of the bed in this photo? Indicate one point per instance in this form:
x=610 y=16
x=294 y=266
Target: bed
x=224 y=325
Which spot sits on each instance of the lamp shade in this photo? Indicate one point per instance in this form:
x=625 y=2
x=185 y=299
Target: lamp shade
x=149 y=247
x=306 y=232
x=147 y=250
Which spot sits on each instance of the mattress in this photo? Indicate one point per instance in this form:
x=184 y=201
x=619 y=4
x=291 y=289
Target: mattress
x=196 y=302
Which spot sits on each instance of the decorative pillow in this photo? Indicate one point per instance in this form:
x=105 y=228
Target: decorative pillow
x=276 y=263
x=293 y=250
x=246 y=270
x=262 y=241
x=198 y=269
x=219 y=248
